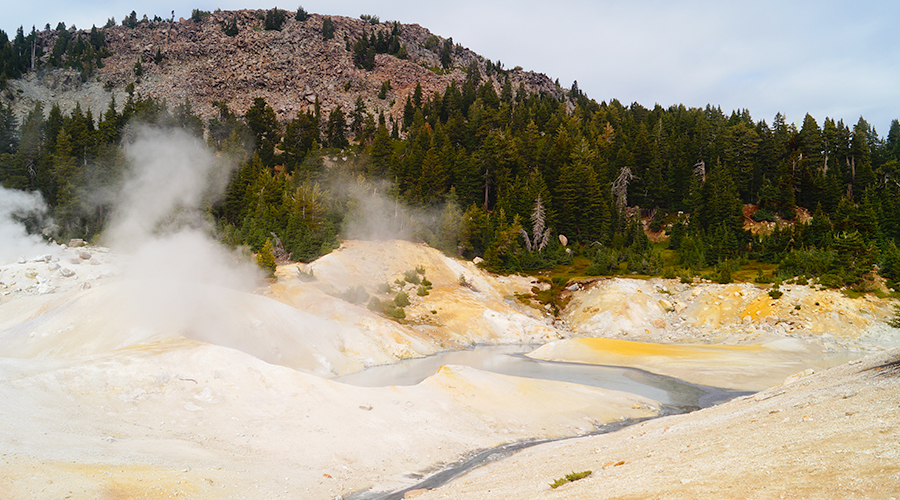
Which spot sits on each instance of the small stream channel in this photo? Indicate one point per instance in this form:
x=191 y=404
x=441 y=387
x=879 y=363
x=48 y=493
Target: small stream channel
x=677 y=396
x=511 y=360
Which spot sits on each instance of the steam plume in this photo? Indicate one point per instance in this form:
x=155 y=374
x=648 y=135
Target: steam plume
x=15 y=241
x=175 y=263
x=172 y=174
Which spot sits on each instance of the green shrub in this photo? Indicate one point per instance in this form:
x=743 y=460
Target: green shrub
x=385 y=88
x=422 y=291
x=764 y=215
x=723 y=272
x=657 y=221
x=808 y=261
x=574 y=476
x=775 y=292
x=401 y=299
x=197 y=15
x=606 y=262
x=760 y=277
x=395 y=312
x=412 y=276
x=831 y=280
x=643 y=263
x=895 y=321
x=230 y=29
x=373 y=20
x=265 y=259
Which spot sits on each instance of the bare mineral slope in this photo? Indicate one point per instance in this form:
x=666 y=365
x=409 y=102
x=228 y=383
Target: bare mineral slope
x=450 y=316
x=830 y=435
x=750 y=367
x=195 y=419
x=668 y=311
x=104 y=306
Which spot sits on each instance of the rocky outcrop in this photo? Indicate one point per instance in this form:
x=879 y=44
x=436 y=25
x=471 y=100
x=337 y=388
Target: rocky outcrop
x=660 y=310
x=288 y=68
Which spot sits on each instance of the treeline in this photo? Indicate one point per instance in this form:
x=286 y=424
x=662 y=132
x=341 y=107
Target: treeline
x=500 y=166
x=503 y=173
x=67 y=48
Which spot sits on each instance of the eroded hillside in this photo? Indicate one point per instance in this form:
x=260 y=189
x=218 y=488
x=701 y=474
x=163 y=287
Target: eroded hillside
x=290 y=68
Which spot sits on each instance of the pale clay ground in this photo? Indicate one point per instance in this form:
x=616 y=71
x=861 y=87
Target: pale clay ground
x=121 y=388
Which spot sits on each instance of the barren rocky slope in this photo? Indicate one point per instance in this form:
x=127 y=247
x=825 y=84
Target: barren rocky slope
x=289 y=68
x=830 y=435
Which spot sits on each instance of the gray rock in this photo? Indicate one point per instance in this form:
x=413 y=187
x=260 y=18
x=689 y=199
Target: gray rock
x=65 y=272
x=85 y=255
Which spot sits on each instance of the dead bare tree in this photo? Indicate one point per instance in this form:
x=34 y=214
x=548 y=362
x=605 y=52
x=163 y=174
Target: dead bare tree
x=540 y=235
x=281 y=255
x=620 y=187
x=700 y=170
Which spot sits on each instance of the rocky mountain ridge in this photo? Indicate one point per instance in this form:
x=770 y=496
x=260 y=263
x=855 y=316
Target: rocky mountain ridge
x=290 y=68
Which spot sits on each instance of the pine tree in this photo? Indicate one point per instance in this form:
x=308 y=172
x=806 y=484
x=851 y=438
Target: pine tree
x=265 y=128
x=335 y=130
x=265 y=259
x=327 y=29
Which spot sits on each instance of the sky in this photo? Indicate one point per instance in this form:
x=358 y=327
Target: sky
x=837 y=59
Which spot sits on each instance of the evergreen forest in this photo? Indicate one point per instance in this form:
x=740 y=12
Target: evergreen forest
x=484 y=169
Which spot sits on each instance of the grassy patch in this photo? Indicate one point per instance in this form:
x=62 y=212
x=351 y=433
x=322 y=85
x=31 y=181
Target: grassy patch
x=575 y=476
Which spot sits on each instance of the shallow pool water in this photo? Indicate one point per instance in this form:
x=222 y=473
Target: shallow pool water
x=511 y=360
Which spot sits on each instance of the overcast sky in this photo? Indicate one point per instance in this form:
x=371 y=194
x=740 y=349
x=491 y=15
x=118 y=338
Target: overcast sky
x=826 y=58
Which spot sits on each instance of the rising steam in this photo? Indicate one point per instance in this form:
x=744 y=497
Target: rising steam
x=174 y=263
x=15 y=242
x=372 y=215
x=172 y=175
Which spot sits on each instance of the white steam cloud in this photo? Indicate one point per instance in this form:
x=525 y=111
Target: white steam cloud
x=15 y=242
x=172 y=174
x=176 y=268
x=373 y=215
